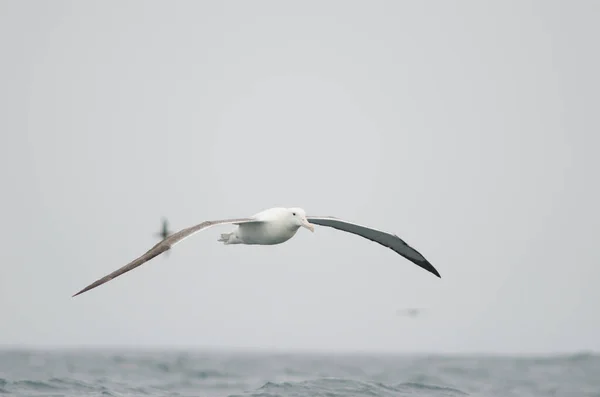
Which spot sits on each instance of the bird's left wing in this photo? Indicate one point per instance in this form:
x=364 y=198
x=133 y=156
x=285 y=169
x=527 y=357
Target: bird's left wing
x=163 y=246
x=386 y=239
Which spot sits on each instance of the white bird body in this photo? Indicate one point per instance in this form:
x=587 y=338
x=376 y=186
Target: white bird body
x=273 y=226
x=270 y=227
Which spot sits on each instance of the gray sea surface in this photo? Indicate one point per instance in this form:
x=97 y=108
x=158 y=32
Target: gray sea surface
x=197 y=373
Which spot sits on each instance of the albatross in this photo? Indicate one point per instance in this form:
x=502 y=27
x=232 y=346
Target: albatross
x=270 y=227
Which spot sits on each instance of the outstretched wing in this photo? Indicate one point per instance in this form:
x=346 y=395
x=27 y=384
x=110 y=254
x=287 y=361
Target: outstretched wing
x=163 y=246
x=386 y=239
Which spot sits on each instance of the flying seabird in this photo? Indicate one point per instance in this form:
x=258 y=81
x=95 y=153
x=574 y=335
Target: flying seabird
x=164 y=232
x=269 y=227
x=411 y=312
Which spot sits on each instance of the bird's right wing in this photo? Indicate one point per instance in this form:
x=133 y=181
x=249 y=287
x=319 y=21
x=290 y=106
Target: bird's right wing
x=163 y=246
x=386 y=239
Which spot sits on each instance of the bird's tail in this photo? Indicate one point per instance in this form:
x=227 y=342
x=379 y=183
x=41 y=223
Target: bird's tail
x=225 y=237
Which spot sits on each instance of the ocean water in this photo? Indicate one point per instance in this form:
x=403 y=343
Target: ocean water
x=179 y=373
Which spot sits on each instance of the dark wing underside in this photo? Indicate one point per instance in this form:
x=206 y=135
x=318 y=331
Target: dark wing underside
x=161 y=247
x=391 y=241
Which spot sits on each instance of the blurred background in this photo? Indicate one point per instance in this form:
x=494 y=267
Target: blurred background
x=469 y=129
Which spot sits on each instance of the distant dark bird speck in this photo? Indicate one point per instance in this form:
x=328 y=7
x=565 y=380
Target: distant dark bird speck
x=411 y=312
x=165 y=232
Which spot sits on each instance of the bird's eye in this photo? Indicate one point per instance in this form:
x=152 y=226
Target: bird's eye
x=293 y=213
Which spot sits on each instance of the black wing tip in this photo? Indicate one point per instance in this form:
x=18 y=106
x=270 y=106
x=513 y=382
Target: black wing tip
x=429 y=267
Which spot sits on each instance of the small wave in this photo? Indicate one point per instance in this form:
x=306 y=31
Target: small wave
x=52 y=385
x=163 y=367
x=339 y=387
x=433 y=388
x=207 y=373
x=70 y=383
x=35 y=384
x=582 y=356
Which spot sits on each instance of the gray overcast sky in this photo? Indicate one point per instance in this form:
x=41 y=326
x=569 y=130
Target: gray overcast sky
x=468 y=128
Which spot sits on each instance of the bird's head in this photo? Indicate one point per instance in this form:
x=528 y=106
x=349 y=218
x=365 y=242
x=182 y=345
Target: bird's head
x=298 y=217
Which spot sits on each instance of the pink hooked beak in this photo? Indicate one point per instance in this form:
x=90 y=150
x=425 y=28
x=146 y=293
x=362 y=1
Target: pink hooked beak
x=308 y=225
